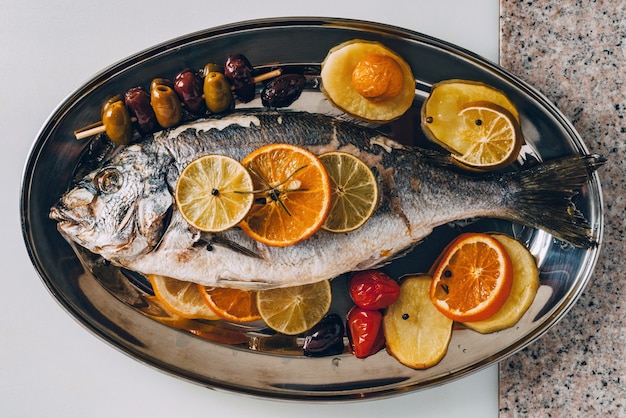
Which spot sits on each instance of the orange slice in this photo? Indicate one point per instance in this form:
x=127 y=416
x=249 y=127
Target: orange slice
x=292 y=194
x=473 y=278
x=354 y=191
x=181 y=298
x=525 y=286
x=214 y=193
x=294 y=310
x=232 y=304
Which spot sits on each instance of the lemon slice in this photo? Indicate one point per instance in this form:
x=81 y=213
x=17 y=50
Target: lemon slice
x=214 y=193
x=294 y=310
x=354 y=191
x=181 y=298
x=439 y=114
x=491 y=137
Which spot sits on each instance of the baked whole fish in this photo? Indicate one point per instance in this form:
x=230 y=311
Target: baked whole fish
x=124 y=209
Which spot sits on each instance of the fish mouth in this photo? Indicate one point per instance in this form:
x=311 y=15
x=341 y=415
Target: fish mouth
x=66 y=217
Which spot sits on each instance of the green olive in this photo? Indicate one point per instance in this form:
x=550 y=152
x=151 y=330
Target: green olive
x=212 y=67
x=218 y=94
x=116 y=121
x=165 y=103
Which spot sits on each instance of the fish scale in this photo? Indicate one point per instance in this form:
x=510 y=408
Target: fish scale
x=419 y=191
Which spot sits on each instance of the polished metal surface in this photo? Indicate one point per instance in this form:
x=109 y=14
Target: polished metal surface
x=116 y=305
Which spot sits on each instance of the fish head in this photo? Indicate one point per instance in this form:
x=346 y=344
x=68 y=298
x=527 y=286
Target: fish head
x=120 y=209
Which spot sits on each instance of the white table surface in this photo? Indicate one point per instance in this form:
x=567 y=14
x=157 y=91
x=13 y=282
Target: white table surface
x=49 y=364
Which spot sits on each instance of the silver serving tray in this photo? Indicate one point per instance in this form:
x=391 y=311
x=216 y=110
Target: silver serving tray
x=116 y=306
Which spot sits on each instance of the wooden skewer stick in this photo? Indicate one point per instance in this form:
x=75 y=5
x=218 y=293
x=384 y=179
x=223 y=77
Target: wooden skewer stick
x=98 y=127
x=93 y=129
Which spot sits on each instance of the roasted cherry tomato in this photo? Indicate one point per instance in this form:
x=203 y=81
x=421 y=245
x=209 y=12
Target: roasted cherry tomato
x=138 y=102
x=238 y=71
x=165 y=103
x=188 y=86
x=116 y=120
x=372 y=289
x=325 y=338
x=365 y=331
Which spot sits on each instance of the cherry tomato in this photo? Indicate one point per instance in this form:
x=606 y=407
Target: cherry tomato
x=365 y=331
x=372 y=289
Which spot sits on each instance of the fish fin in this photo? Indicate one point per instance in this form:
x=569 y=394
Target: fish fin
x=232 y=245
x=545 y=198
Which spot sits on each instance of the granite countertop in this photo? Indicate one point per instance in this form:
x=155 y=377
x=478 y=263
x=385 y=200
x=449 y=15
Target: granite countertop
x=574 y=52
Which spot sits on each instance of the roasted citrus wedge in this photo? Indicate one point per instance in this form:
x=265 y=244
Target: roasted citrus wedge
x=368 y=80
x=354 y=191
x=292 y=194
x=181 y=298
x=416 y=333
x=525 y=286
x=294 y=310
x=214 y=193
x=442 y=121
x=473 y=278
x=491 y=139
x=232 y=304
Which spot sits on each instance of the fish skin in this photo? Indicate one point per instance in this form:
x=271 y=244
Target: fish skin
x=137 y=226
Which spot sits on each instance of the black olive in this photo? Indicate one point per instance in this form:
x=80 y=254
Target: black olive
x=282 y=91
x=238 y=71
x=325 y=338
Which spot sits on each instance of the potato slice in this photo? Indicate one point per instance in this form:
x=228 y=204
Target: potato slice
x=440 y=112
x=337 y=85
x=525 y=286
x=416 y=333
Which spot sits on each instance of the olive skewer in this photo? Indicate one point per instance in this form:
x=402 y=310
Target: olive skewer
x=118 y=117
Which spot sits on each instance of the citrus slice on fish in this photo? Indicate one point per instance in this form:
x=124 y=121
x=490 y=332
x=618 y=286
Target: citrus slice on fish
x=292 y=194
x=233 y=304
x=294 y=310
x=491 y=137
x=473 y=278
x=354 y=191
x=181 y=298
x=214 y=193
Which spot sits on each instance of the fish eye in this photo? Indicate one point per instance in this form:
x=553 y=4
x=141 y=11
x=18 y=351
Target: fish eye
x=109 y=181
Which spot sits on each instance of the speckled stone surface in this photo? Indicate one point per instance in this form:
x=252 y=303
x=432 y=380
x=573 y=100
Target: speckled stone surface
x=575 y=53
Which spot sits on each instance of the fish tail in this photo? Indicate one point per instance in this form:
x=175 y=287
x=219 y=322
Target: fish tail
x=545 y=198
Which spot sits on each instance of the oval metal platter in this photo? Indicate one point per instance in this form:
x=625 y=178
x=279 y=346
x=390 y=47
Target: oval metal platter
x=118 y=306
